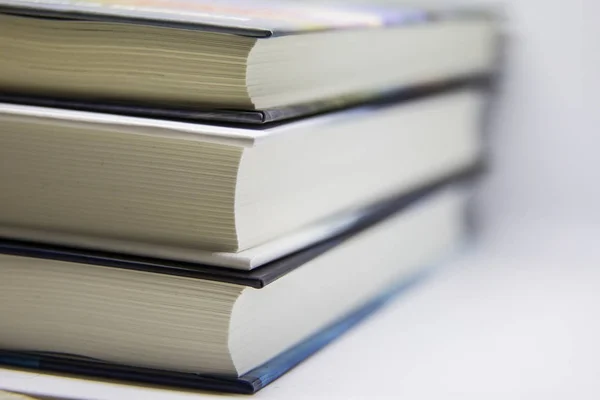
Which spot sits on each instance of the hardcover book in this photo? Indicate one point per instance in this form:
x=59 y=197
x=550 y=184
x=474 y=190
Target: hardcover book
x=249 y=62
x=178 y=190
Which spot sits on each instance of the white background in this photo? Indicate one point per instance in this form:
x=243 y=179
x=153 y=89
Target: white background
x=545 y=135
x=519 y=316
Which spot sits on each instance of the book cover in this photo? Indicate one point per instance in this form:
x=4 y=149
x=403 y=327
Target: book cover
x=261 y=19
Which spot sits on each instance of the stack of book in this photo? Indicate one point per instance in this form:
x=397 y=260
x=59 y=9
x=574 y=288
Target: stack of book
x=202 y=193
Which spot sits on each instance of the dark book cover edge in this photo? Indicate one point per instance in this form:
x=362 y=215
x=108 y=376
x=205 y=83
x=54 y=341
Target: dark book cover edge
x=259 y=119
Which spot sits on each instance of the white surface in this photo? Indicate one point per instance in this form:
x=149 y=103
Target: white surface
x=517 y=317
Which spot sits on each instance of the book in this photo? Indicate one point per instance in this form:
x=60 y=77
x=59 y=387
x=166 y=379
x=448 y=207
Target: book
x=131 y=184
x=234 y=60
x=166 y=326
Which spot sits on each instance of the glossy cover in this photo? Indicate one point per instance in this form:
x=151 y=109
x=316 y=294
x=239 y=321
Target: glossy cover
x=258 y=277
x=259 y=19
x=249 y=383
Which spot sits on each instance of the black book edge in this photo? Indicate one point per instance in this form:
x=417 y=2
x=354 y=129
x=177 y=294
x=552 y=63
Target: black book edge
x=256 y=278
x=248 y=383
x=256 y=118
x=122 y=19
